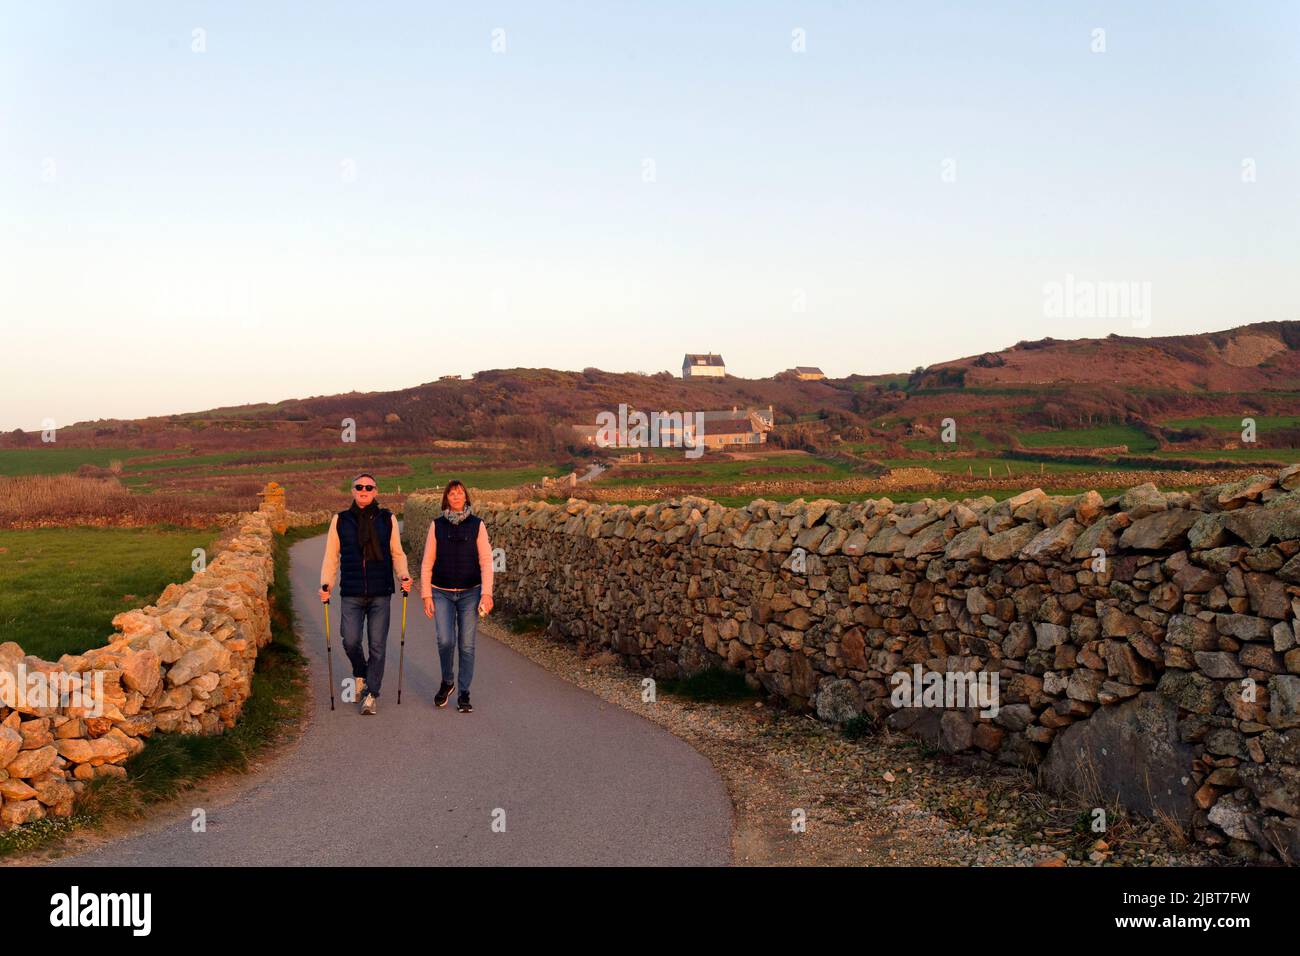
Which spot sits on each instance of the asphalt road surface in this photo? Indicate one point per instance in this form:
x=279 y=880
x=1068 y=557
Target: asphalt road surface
x=576 y=780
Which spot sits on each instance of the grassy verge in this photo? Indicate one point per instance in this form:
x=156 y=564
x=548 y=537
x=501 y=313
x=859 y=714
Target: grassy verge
x=173 y=763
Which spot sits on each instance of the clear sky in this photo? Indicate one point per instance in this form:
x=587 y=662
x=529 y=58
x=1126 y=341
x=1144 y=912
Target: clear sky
x=328 y=197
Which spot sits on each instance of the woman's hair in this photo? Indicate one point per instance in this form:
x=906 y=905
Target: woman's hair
x=454 y=483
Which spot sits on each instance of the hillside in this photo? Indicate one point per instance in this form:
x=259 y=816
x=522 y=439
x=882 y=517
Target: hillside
x=1031 y=386
x=518 y=404
x=1246 y=359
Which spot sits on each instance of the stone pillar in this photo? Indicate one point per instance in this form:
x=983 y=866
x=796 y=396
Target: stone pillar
x=273 y=506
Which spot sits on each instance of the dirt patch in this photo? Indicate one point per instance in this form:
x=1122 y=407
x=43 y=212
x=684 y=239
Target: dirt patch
x=1249 y=350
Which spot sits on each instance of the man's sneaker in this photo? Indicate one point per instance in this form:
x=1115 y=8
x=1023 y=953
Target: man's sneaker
x=463 y=704
x=361 y=688
x=368 y=705
x=444 y=692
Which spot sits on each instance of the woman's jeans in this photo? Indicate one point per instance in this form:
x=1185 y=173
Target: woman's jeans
x=369 y=615
x=455 y=616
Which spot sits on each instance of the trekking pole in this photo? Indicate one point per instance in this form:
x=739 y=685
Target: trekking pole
x=329 y=653
x=401 y=654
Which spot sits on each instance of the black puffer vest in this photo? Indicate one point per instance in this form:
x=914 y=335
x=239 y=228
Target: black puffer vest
x=456 y=563
x=357 y=576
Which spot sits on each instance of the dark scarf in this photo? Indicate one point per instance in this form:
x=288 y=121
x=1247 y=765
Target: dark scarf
x=365 y=518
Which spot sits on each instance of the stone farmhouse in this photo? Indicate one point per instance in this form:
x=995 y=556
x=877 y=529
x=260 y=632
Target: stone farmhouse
x=735 y=426
x=808 y=373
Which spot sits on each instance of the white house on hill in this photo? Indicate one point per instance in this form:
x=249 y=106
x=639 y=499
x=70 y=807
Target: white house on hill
x=703 y=366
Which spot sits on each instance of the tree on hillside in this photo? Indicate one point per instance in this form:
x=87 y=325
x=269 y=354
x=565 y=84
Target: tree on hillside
x=1054 y=414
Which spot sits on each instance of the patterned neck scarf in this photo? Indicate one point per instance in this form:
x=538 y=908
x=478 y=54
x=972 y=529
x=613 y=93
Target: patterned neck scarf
x=456 y=517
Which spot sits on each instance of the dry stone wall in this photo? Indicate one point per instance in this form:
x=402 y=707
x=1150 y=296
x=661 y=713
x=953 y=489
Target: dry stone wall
x=1162 y=676
x=183 y=665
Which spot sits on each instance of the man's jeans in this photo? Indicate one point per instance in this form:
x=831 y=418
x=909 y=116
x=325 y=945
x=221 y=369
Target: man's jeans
x=456 y=615
x=372 y=614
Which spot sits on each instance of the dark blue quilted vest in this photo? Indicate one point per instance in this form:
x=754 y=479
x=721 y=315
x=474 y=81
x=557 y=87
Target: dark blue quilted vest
x=357 y=576
x=456 y=562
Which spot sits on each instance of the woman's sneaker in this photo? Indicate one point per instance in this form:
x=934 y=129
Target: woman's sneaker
x=463 y=704
x=440 y=698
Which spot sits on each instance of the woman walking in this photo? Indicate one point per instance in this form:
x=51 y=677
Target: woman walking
x=456 y=583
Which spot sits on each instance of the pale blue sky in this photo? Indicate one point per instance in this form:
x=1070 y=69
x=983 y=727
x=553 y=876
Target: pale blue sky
x=180 y=230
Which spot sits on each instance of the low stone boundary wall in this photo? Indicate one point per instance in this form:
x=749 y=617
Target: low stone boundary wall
x=183 y=665
x=1144 y=648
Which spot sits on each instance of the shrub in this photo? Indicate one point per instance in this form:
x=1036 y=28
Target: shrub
x=710 y=684
x=863 y=725
x=527 y=623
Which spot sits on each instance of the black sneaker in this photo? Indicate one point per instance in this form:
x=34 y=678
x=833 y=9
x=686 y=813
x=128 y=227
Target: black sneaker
x=463 y=704
x=440 y=698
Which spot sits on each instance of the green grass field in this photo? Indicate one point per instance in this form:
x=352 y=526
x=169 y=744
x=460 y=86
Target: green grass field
x=295 y=468
x=54 y=460
x=1230 y=425
x=226 y=460
x=300 y=459
x=968 y=441
x=863 y=448
x=705 y=471
x=1001 y=467
x=1243 y=455
x=424 y=472
x=61 y=587
x=173 y=763
x=396 y=468
x=1099 y=437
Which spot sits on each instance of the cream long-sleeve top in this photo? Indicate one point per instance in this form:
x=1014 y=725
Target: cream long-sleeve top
x=329 y=569
x=431 y=555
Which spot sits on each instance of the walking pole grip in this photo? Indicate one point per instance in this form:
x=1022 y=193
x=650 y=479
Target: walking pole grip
x=329 y=650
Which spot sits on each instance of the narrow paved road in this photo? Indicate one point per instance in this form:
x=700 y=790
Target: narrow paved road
x=581 y=781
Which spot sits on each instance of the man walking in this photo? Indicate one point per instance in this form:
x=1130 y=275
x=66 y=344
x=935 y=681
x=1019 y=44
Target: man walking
x=365 y=547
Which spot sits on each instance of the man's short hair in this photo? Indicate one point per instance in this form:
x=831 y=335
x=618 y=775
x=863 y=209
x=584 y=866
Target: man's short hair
x=366 y=474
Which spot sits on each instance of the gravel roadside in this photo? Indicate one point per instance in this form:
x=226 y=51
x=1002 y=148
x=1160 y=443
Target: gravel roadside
x=884 y=800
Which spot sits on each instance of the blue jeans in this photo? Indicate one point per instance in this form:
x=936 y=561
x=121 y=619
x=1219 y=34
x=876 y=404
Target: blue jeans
x=455 y=614
x=370 y=614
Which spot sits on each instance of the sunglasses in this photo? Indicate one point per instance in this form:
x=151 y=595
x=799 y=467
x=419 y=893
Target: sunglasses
x=364 y=487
